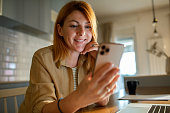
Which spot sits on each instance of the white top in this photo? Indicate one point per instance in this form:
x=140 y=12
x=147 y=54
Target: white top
x=75 y=77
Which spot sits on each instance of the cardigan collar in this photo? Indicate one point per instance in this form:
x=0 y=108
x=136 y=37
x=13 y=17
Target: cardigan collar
x=81 y=60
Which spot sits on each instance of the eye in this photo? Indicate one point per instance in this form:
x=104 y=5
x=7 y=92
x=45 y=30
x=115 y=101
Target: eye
x=89 y=27
x=73 y=26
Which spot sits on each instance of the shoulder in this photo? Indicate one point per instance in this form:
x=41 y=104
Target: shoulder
x=45 y=50
x=44 y=53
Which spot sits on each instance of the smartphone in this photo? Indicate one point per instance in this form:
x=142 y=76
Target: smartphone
x=109 y=52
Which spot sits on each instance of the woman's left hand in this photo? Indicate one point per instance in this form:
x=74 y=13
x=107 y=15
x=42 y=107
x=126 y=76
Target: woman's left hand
x=92 y=48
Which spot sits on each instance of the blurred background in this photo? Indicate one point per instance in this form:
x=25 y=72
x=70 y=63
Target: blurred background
x=26 y=26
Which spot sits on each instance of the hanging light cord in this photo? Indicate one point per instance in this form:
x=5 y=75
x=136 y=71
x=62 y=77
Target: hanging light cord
x=154 y=18
x=153 y=10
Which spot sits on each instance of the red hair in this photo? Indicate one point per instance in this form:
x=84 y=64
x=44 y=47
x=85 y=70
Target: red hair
x=60 y=47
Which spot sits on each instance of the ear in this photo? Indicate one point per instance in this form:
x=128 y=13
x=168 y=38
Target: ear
x=59 y=28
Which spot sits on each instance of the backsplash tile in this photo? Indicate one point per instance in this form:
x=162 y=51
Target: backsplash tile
x=16 y=51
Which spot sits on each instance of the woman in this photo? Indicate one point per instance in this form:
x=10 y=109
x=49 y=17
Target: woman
x=61 y=75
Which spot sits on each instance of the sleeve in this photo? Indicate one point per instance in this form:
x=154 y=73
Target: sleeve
x=42 y=90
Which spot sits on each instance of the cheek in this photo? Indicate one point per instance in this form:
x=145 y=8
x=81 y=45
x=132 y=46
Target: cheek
x=89 y=35
x=89 y=40
x=68 y=35
x=66 y=32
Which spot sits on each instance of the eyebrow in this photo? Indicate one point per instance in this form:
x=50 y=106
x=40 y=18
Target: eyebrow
x=78 y=22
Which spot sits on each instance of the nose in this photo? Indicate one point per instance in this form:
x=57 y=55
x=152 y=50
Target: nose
x=81 y=31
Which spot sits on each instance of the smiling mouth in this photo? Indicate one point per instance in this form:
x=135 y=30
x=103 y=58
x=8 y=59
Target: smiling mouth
x=82 y=40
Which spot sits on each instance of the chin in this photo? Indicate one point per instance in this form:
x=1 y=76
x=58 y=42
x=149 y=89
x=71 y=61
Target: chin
x=79 y=50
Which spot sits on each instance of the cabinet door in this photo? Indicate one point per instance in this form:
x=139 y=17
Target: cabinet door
x=45 y=15
x=31 y=13
x=27 y=14
x=13 y=9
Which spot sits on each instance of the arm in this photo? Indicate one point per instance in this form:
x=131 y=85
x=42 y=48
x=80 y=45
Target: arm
x=42 y=95
x=68 y=105
x=91 y=90
x=41 y=89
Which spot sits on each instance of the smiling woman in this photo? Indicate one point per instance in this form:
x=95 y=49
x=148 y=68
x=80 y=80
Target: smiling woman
x=61 y=74
x=76 y=31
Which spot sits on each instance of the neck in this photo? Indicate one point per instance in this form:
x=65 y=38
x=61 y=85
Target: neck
x=72 y=59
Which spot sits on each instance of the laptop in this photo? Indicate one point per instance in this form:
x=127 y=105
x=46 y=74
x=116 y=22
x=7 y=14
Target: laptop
x=146 y=108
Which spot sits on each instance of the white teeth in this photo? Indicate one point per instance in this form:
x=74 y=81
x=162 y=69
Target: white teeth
x=79 y=40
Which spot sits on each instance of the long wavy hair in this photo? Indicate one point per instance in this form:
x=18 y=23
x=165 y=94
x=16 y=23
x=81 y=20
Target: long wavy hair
x=61 y=50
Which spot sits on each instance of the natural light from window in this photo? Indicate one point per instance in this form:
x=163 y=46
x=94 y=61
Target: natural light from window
x=128 y=60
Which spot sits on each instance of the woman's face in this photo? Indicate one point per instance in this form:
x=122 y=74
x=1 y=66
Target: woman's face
x=76 y=31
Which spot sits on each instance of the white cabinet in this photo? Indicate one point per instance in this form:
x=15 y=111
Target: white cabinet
x=13 y=9
x=45 y=15
x=31 y=15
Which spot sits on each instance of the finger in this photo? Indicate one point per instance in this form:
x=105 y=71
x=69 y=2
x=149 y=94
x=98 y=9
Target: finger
x=109 y=77
x=93 y=44
x=108 y=94
x=113 y=83
x=101 y=85
x=102 y=71
x=94 y=54
x=105 y=94
x=90 y=47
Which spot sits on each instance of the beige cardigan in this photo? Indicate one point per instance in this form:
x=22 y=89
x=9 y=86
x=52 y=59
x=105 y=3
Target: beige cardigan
x=49 y=80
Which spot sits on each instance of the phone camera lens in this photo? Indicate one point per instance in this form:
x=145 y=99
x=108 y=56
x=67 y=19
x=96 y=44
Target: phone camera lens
x=102 y=52
x=103 y=47
x=107 y=50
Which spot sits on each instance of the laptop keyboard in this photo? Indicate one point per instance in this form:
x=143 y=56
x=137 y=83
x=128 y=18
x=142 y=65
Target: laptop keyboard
x=159 y=109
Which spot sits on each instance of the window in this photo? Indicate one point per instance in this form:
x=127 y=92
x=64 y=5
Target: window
x=128 y=60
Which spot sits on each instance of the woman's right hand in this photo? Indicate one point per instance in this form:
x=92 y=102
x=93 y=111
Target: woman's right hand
x=92 y=90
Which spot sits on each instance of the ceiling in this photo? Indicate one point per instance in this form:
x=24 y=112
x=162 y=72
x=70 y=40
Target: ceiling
x=117 y=7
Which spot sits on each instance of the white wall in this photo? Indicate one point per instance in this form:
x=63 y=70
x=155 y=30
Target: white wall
x=16 y=51
x=143 y=30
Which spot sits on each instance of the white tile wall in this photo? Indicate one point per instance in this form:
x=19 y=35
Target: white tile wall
x=16 y=51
